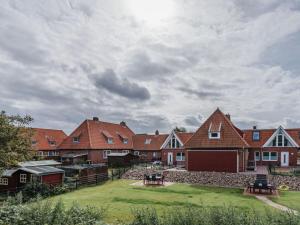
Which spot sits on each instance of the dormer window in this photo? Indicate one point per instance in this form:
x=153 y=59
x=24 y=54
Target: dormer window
x=123 y=138
x=256 y=136
x=76 y=139
x=34 y=142
x=280 y=138
x=214 y=131
x=110 y=140
x=148 y=141
x=125 y=141
x=52 y=143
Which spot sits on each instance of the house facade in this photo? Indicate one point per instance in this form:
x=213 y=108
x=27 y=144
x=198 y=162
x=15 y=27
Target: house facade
x=94 y=140
x=45 y=142
x=173 y=151
x=148 y=147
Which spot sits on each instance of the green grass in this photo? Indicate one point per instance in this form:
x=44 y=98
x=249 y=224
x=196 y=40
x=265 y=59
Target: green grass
x=290 y=199
x=120 y=198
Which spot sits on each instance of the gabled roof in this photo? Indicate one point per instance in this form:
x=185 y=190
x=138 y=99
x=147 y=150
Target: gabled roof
x=42 y=137
x=93 y=135
x=286 y=135
x=231 y=137
x=155 y=144
x=182 y=138
x=265 y=135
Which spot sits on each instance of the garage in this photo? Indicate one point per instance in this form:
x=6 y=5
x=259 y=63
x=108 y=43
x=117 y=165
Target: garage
x=213 y=160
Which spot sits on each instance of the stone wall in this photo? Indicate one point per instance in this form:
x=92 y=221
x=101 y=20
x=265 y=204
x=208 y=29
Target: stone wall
x=237 y=180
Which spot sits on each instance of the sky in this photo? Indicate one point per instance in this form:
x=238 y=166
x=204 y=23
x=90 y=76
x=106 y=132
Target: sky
x=154 y=64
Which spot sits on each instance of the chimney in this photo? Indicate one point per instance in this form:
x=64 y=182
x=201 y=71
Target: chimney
x=228 y=116
x=156 y=132
x=95 y=118
x=254 y=127
x=123 y=124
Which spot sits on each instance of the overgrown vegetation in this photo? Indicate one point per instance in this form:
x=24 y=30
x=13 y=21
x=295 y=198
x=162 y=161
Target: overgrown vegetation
x=13 y=212
x=212 y=216
x=15 y=140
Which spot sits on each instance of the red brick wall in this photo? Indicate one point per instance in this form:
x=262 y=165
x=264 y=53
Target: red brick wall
x=292 y=155
x=174 y=151
x=211 y=160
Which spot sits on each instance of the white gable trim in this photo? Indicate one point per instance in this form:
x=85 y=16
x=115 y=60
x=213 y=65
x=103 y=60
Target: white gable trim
x=290 y=139
x=164 y=145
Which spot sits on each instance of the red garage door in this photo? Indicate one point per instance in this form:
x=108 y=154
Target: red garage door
x=210 y=160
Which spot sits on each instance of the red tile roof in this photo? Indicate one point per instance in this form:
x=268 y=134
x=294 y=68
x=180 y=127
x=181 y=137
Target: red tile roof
x=184 y=136
x=155 y=144
x=230 y=136
x=265 y=134
x=43 y=136
x=93 y=135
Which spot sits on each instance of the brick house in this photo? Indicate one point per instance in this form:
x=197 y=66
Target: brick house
x=93 y=140
x=278 y=147
x=173 y=152
x=148 y=146
x=45 y=142
x=217 y=146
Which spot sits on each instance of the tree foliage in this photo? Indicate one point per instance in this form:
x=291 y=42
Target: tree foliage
x=15 y=139
x=180 y=129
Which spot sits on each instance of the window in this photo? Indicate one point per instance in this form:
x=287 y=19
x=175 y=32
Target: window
x=106 y=153
x=270 y=156
x=52 y=143
x=136 y=153
x=257 y=156
x=256 y=135
x=23 y=178
x=148 y=141
x=33 y=142
x=180 y=156
x=51 y=153
x=280 y=140
x=154 y=154
x=214 y=135
x=110 y=141
x=125 y=151
x=174 y=143
x=40 y=153
x=76 y=139
x=3 y=181
x=125 y=141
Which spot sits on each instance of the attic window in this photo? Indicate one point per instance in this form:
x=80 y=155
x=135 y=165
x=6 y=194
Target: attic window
x=214 y=131
x=76 y=139
x=124 y=138
x=110 y=140
x=52 y=143
x=148 y=141
x=125 y=141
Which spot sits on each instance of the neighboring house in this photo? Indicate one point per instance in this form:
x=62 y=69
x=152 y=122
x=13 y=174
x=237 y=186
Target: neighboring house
x=94 y=140
x=217 y=146
x=148 y=146
x=173 y=152
x=45 y=142
x=33 y=171
x=278 y=147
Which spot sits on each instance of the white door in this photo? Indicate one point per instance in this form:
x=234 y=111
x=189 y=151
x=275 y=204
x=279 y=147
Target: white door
x=284 y=159
x=170 y=158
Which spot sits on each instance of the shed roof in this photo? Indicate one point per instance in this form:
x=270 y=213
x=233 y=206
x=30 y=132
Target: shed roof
x=42 y=170
x=39 y=163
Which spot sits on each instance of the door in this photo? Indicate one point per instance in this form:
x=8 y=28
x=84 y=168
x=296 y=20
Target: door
x=284 y=159
x=170 y=158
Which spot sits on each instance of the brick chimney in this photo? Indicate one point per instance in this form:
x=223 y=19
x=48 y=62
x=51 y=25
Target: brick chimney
x=228 y=116
x=156 y=132
x=123 y=124
x=95 y=118
x=254 y=127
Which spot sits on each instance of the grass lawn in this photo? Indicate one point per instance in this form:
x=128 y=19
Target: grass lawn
x=119 y=197
x=290 y=199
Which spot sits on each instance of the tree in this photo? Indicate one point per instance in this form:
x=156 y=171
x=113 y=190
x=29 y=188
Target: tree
x=180 y=129
x=15 y=140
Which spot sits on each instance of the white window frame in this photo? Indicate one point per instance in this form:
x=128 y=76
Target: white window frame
x=106 y=153
x=218 y=135
x=258 y=156
x=23 y=178
x=125 y=151
x=76 y=139
x=181 y=157
x=110 y=141
x=257 y=132
x=125 y=141
x=3 y=181
x=136 y=153
x=269 y=158
x=148 y=141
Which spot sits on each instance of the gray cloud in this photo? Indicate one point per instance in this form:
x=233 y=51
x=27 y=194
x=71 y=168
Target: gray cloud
x=201 y=94
x=193 y=121
x=122 y=87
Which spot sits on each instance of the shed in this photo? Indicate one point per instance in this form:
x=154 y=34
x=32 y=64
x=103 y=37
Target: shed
x=121 y=159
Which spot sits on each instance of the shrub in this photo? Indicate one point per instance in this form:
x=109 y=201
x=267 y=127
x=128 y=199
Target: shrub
x=47 y=212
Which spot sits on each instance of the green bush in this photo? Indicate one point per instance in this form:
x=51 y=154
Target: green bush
x=212 y=216
x=48 y=213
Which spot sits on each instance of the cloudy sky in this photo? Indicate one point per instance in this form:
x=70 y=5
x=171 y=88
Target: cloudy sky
x=155 y=64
